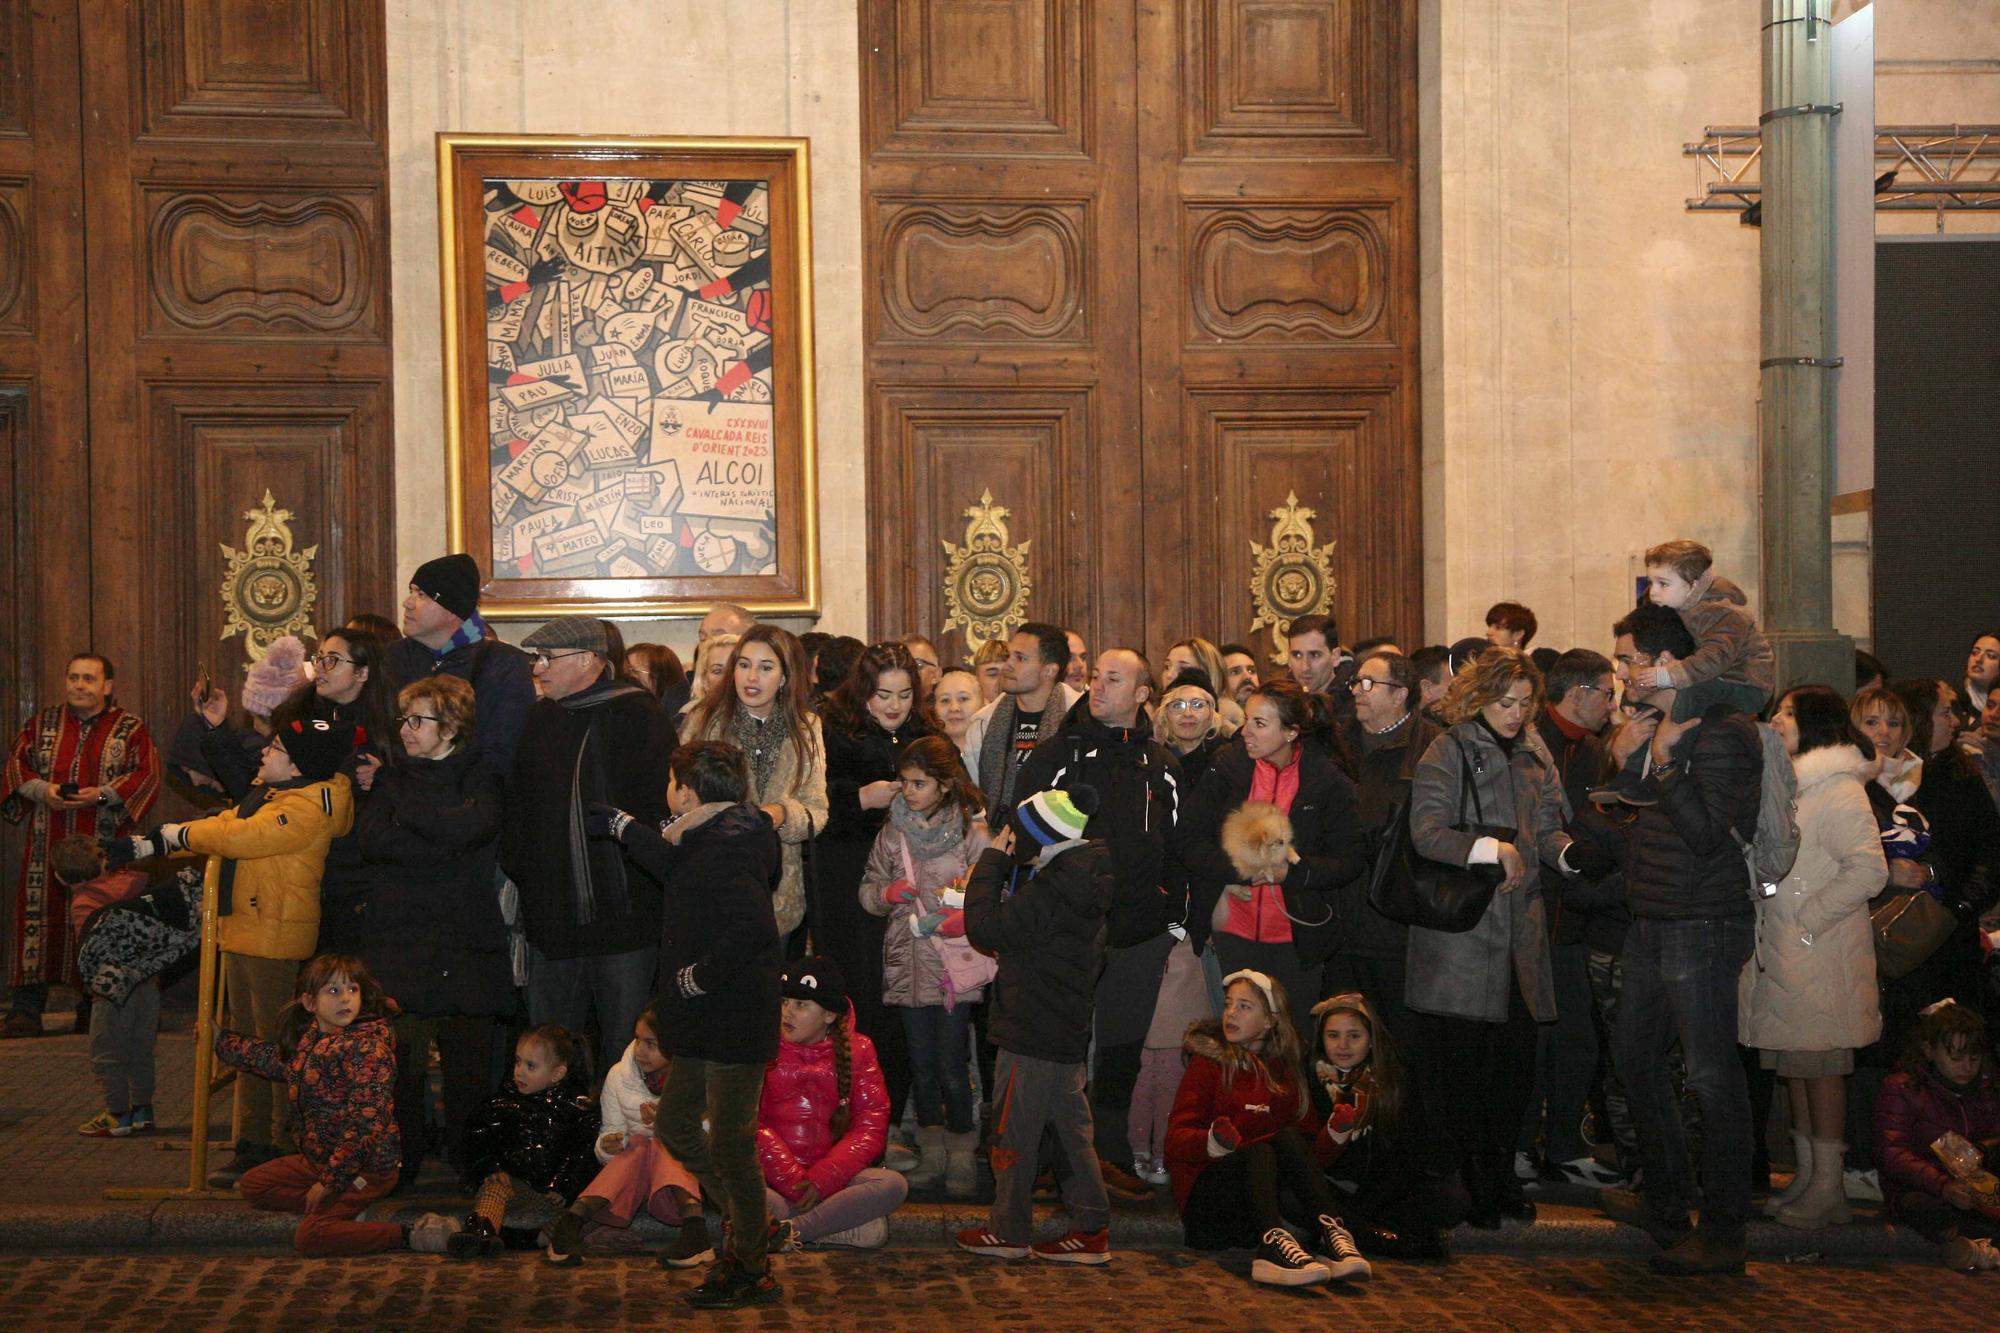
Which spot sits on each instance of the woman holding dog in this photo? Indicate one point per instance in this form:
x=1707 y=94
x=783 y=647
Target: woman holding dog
x=1476 y=995
x=1270 y=837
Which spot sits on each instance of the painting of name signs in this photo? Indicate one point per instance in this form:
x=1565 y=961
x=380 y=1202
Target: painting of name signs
x=628 y=357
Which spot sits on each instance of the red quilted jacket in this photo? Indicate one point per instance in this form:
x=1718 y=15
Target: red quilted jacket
x=342 y=1086
x=1208 y=1093
x=1914 y=1110
x=795 y=1116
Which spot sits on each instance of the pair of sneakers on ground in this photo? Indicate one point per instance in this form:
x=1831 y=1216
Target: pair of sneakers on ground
x=1281 y=1260
x=109 y=1124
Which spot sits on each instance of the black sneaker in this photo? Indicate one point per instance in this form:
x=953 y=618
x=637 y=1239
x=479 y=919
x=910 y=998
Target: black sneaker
x=565 y=1243
x=1339 y=1252
x=728 y=1287
x=689 y=1249
x=475 y=1240
x=1282 y=1262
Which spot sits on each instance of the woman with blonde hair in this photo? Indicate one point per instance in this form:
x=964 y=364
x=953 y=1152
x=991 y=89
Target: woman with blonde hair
x=1203 y=656
x=1486 y=794
x=986 y=664
x=713 y=661
x=1189 y=722
x=762 y=710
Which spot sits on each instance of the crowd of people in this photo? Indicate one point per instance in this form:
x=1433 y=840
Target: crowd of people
x=1342 y=955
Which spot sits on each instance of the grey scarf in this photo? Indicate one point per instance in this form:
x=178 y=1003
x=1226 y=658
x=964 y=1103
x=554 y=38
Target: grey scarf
x=997 y=769
x=761 y=742
x=929 y=835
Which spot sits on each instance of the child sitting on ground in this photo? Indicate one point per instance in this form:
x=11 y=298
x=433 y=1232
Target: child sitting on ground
x=537 y=1132
x=1400 y=1198
x=1945 y=1085
x=717 y=864
x=125 y=1018
x=638 y=1175
x=1240 y=1146
x=1732 y=662
x=823 y=1119
x=915 y=876
x=336 y=1057
x=1049 y=931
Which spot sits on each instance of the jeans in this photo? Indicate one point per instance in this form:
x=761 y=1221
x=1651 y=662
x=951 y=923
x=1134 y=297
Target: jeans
x=1680 y=984
x=618 y=986
x=940 y=1072
x=121 y=1046
x=723 y=1157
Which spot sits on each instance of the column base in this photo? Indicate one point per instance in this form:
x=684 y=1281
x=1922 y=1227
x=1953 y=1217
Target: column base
x=1813 y=657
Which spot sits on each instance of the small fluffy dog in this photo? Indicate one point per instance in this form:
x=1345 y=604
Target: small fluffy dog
x=1257 y=837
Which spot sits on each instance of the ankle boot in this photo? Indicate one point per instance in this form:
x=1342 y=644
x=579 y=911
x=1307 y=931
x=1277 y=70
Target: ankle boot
x=1802 y=1174
x=961 y=1164
x=1824 y=1202
x=929 y=1171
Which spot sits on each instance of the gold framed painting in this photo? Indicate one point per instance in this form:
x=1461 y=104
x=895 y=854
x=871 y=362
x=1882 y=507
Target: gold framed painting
x=628 y=373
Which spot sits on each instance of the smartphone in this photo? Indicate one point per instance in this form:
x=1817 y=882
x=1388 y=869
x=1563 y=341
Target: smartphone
x=68 y=791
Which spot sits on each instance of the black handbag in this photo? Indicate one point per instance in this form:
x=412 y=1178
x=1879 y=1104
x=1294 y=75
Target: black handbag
x=1410 y=888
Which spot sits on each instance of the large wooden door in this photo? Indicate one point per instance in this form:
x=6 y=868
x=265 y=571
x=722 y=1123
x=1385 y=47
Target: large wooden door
x=1143 y=268
x=238 y=225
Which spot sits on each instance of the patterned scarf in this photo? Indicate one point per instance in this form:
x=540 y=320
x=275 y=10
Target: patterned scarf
x=761 y=741
x=930 y=835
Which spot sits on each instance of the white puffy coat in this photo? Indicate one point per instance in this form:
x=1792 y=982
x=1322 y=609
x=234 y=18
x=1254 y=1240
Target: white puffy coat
x=1810 y=985
x=618 y=1106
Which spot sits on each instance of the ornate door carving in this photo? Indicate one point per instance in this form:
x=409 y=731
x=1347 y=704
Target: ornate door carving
x=1140 y=270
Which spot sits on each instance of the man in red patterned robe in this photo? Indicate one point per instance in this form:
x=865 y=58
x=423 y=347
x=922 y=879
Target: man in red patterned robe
x=81 y=766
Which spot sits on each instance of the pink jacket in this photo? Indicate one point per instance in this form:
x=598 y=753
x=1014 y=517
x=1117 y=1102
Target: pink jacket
x=795 y=1140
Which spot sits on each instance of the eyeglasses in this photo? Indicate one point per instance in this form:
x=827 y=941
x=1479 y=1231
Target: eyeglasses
x=1598 y=689
x=1188 y=706
x=328 y=661
x=1369 y=684
x=925 y=662
x=542 y=657
x=408 y=720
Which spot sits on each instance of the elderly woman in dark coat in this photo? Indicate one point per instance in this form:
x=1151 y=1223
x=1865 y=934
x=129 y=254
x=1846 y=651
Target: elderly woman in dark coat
x=433 y=935
x=1475 y=996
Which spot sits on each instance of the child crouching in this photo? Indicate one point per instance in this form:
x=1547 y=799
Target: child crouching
x=336 y=1057
x=823 y=1118
x=537 y=1132
x=638 y=1175
x=1945 y=1086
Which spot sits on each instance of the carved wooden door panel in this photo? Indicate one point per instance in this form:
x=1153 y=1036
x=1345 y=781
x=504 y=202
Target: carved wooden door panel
x=1142 y=270
x=239 y=314
x=999 y=197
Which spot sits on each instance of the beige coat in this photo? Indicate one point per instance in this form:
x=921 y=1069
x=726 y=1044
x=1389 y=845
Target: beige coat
x=1810 y=985
x=803 y=794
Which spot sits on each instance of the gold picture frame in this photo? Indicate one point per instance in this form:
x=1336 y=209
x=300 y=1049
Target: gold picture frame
x=628 y=359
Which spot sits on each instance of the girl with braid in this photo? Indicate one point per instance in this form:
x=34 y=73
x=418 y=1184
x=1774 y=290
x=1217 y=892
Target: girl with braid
x=823 y=1118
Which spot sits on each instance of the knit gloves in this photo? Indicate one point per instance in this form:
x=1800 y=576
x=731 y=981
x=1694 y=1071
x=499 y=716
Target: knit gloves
x=606 y=821
x=164 y=841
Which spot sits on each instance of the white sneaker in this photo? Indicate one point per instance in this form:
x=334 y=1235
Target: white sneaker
x=870 y=1235
x=432 y=1233
x=1589 y=1171
x=1967 y=1254
x=1152 y=1170
x=1864 y=1185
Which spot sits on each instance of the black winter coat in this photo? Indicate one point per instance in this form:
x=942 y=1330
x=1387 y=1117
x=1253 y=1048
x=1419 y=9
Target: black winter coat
x=1386 y=774
x=433 y=935
x=503 y=687
x=1139 y=793
x=718 y=933
x=545 y=1140
x=1965 y=847
x=1685 y=866
x=1582 y=764
x=1326 y=833
x=1047 y=928
x=614 y=751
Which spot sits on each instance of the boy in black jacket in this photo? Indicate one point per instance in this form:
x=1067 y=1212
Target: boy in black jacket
x=720 y=959
x=1049 y=933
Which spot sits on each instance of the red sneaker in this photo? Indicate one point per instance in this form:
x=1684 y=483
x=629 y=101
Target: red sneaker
x=979 y=1240
x=1078 y=1247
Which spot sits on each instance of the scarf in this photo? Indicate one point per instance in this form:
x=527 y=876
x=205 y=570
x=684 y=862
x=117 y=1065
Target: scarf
x=1506 y=743
x=471 y=631
x=996 y=747
x=760 y=742
x=929 y=836
x=656 y=1081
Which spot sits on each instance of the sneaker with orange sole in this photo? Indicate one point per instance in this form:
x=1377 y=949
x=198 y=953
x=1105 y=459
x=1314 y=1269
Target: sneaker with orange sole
x=1078 y=1247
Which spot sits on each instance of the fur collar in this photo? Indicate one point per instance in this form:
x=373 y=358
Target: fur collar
x=1205 y=1039
x=1829 y=762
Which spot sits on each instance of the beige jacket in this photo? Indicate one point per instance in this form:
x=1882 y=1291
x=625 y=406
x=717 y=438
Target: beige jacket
x=801 y=789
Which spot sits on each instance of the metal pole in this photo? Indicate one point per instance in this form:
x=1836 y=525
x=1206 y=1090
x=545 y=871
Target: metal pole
x=207 y=1002
x=1795 y=412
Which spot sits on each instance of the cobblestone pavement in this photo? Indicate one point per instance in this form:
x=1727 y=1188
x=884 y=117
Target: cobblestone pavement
x=935 y=1289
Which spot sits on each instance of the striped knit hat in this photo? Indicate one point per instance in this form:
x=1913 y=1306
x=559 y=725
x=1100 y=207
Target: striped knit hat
x=1050 y=817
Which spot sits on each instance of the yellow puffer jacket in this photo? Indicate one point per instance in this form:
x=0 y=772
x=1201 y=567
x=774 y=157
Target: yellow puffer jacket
x=279 y=853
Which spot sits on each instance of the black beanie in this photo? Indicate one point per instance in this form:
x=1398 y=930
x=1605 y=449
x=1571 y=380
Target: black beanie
x=452 y=581
x=815 y=979
x=319 y=747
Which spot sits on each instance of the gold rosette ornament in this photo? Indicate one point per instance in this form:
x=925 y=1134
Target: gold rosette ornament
x=267 y=589
x=985 y=580
x=1292 y=577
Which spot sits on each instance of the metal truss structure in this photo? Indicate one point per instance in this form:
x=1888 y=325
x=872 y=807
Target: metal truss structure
x=1919 y=168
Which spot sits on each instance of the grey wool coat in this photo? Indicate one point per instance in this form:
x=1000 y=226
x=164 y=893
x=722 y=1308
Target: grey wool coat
x=1467 y=975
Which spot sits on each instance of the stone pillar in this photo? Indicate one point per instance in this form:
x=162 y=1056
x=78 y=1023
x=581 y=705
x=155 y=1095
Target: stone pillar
x=1795 y=418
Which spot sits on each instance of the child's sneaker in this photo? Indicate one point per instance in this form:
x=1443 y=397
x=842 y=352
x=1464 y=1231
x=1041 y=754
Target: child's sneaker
x=783 y=1237
x=979 y=1240
x=689 y=1249
x=142 y=1120
x=1151 y=1169
x=106 y=1125
x=870 y=1235
x=1340 y=1254
x=728 y=1287
x=1282 y=1262
x=433 y=1233
x=564 y=1247
x=1078 y=1247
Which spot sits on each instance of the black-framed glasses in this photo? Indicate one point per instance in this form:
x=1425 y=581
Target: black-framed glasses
x=542 y=656
x=415 y=719
x=1369 y=684
x=328 y=661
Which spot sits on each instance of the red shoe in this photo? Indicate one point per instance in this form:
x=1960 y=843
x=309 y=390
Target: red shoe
x=979 y=1240
x=1078 y=1247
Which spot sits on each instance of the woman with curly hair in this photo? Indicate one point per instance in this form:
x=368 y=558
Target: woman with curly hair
x=1476 y=995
